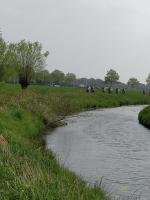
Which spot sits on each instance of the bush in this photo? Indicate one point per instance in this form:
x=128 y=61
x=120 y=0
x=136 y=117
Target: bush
x=144 y=117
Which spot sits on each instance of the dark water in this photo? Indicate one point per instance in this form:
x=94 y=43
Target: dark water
x=108 y=143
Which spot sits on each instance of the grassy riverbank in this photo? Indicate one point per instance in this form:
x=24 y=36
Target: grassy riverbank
x=144 y=117
x=27 y=171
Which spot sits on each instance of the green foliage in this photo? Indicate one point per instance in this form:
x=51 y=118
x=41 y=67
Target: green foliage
x=144 y=117
x=3 y=57
x=70 y=78
x=29 y=58
x=57 y=77
x=111 y=76
x=148 y=79
x=42 y=76
x=132 y=82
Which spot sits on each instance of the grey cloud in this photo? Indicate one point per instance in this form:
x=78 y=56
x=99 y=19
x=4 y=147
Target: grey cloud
x=84 y=36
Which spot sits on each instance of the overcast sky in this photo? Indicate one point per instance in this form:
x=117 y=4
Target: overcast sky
x=87 y=37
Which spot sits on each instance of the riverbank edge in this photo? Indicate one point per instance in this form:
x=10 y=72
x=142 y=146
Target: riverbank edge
x=144 y=117
x=38 y=142
x=87 y=192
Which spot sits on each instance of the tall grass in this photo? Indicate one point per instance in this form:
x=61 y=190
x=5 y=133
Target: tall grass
x=27 y=171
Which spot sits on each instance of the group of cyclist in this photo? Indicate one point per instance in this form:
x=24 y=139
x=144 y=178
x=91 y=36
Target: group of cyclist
x=109 y=90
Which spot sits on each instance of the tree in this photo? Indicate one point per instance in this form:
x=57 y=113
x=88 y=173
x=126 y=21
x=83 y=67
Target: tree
x=70 y=78
x=42 y=76
x=57 y=77
x=148 y=79
x=28 y=58
x=133 y=82
x=3 y=56
x=111 y=76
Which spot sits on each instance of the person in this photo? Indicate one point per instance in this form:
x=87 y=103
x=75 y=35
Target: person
x=92 y=89
x=109 y=90
x=117 y=90
x=144 y=91
x=123 y=91
x=103 y=89
x=87 y=89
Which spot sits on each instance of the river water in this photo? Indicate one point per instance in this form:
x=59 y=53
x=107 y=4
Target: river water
x=108 y=145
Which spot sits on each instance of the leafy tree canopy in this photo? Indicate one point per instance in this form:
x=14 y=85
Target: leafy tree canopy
x=57 y=76
x=111 y=76
x=29 y=58
x=148 y=79
x=3 y=57
x=133 y=82
x=70 y=78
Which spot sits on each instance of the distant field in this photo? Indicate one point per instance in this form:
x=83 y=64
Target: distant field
x=27 y=171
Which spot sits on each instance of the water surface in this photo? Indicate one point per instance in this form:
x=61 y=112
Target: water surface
x=108 y=143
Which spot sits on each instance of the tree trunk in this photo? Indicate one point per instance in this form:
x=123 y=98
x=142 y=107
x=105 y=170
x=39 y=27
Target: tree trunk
x=23 y=82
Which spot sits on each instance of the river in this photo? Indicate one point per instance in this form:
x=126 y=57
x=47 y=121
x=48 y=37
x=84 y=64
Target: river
x=108 y=145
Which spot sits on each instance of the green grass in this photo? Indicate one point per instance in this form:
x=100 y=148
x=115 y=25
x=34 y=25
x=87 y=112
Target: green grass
x=144 y=117
x=27 y=170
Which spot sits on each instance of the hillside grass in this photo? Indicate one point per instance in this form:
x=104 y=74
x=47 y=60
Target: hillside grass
x=27 y=170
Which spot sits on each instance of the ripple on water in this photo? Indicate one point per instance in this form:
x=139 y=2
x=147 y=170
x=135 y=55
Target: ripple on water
x=108 y=143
